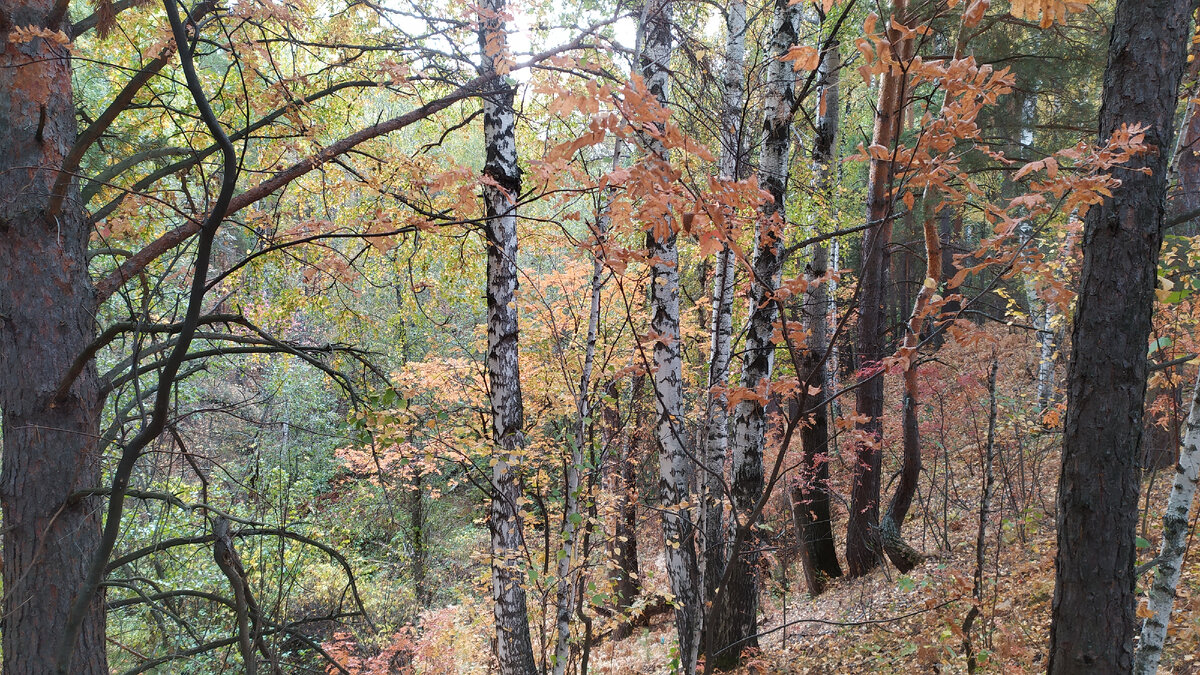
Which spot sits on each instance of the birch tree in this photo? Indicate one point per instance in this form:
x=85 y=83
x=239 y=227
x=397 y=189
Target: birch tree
x=500 y=191
x=1169 y=562
x=673 y=459
x=736 y=615
x=712 y=544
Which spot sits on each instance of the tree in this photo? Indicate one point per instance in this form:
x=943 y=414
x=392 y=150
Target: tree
x=1093 y=618
x=862 y=542
x=46 y=318
x=716 y=451
x=735 y=612
x=674 y=460
x=1169 y=562
x=502 y=187
x=810 y=496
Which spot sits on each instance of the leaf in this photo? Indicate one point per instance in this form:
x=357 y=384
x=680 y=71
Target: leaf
x=803 y=57
x=975 y=12
x=1029 y=168
x=1141 y=543
x=1159 y=345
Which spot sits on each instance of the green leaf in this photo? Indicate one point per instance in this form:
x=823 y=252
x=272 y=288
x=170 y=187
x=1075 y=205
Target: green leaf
x=1141 y=543
x=1160 y=344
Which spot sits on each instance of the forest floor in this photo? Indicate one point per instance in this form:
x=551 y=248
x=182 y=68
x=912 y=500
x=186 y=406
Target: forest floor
x=891 y=623
x=886 y=622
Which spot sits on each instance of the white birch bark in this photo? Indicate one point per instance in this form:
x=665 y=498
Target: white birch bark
x=1046 y=357
x=712 y=542
x=514 y=650
x=1174 y=545
x=738 y=621
x=674 y=462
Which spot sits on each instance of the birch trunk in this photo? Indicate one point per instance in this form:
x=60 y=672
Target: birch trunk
x=862 y=541
x=811 y=512
x=674 y=463
x=566 y=560
x=712 y=543
x=1174 y=545
x=513 y=647
x=736 y=608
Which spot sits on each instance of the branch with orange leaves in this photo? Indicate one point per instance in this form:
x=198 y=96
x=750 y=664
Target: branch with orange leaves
x=136 y=263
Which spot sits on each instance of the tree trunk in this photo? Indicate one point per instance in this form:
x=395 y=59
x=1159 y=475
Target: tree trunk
x=1174 y=545
x=862 y=541
x=622 y=483
x=583 y=406
x=712 y=543
x=513 y=647
x=673 y=459
x=1093 y=618
x=903 y=556
x=811 y=512
x=416 y=509
x=735 y=611
x=47 y=310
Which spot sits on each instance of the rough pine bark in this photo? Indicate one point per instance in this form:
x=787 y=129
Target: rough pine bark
x=673 y=460
x=716 y=451
x=1093 y=619
x=514 y=650
x=811 y=512
x=735 y=611
x=47 y=309
x=903 y=556
x=862 y=542
x=1174 y=545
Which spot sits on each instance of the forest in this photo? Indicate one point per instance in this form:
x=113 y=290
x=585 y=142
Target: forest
x=562 y=337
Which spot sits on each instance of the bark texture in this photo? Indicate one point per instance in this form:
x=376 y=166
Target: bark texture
x=863 y=550
x=716 y=452
x=811 y=512
x=513 y=647
x=1174 y=545
x=903 y=556
x=1093 y=618
x=673 y=460
x=47 y=309
x=735 y=611
x=621 y=479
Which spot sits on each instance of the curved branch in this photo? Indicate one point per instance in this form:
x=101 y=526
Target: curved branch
x=131 y=452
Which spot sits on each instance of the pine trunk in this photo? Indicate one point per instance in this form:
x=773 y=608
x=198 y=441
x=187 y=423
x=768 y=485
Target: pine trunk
x=47 y=318
x=673 y=459
x=903 y=556
x=622 y=484
x=1093 y=619
x=513 y=647
x=863 y=550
